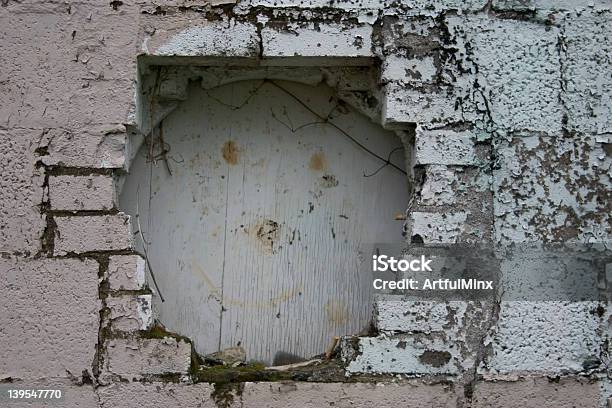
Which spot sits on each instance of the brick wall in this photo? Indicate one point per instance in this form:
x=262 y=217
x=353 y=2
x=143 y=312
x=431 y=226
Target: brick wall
x=508 y=105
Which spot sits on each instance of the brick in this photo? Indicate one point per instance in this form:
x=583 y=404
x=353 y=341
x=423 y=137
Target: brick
x=92 y=233
x=402 y=106
x=73 y=193
x=418 y=316
x=410 y=35
x=537 y=392
x=331 y=40
x=20 y=192
x=50 y=319
x=419 y=5
x=310 y=4
x=520 y=69
x=444 y=147
x=130 y=313
x=547 y=5
x=405 y=353
x=444 y=228
x=409 y=70
x=587 y=60
x=126 y=272
x=407 y=394
x=156 y=395
x=539 y=186
x=52 y=79
x=214 y=39
x=545 y=337
x=91 y=147
x=438 y=186
x=133 y=358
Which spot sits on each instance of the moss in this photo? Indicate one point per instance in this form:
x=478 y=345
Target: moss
x=196 y=363
x=223 y=394
x=159 y=332
x=250 y=372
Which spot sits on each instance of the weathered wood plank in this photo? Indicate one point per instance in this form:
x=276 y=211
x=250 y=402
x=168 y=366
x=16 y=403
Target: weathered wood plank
x=269 y=219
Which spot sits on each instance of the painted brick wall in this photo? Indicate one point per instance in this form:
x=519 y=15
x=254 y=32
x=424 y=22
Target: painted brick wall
x=509 y=108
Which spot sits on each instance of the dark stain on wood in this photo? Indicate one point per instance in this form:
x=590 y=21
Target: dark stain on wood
x=267 y=232
x=329 y=181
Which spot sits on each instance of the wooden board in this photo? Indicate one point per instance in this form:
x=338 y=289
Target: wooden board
x=254 y=238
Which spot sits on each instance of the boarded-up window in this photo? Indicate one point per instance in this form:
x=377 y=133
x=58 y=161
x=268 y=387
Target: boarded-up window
x=254 y=237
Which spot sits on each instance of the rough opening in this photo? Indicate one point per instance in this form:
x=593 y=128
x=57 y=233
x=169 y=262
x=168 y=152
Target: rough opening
x=254 y=209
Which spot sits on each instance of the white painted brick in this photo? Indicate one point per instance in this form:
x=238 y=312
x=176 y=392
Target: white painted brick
x=130 y=313
x=410 y=354
x=418 y=35
x=421 y=5
x=410 y=70
x=443 y=228
x=534 y=193
x=519 y=65
x=308 y=4
x=403 y=106
x=545 y=337
x=332 y=40
x=444 y=147
x=549 y=5
x=92 y=233
x=419 y=316
x=438 y=186
x=126 y=272
x=589 y=87
x=132 y=358
x=73 y=193
x=215 y=39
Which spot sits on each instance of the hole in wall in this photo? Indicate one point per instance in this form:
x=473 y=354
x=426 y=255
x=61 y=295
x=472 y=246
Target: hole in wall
x=254 y=209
